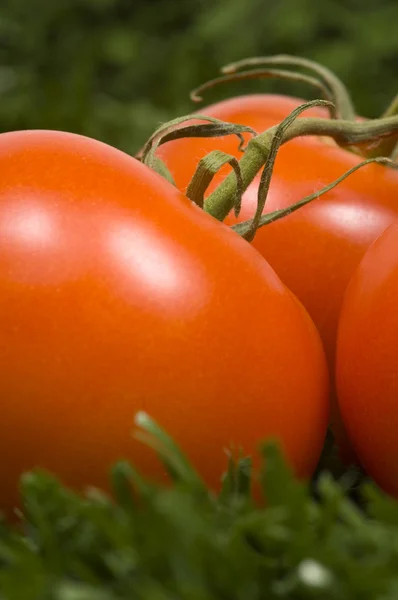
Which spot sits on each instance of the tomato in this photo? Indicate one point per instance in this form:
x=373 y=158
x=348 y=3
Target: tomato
x=118 y=294
x=367 y=360
x=316 y=249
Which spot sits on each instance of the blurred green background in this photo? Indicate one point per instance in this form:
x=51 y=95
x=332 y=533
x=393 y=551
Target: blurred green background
x=115 y=69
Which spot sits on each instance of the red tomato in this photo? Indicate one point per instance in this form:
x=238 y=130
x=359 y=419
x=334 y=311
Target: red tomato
x=316 y=249
x=367 y=360
x=118 y=294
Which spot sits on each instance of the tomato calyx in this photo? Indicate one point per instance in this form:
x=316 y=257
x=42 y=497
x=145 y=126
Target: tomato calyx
x=260 y=153
x=259 y=156
x=262 y=149
x=174 y=130
x=207 y=168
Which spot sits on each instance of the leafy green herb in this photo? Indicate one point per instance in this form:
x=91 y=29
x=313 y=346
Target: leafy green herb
x=155 y=542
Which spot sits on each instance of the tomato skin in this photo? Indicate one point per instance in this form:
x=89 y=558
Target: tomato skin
x=118 y=294
x=316 y=249
x=367 y=360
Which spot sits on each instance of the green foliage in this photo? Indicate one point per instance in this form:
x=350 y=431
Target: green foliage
x=181 y=542
x=115 y=69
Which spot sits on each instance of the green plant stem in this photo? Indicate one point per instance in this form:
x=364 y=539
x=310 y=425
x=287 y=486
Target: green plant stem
x=341 y=98
x=196 y=94
x=392 y=109
x=386 y=147
x=220 y=202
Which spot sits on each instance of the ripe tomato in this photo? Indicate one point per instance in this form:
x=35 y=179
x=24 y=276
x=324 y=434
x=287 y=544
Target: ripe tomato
x=118 y=294
x=367 y=360
x=316 y=249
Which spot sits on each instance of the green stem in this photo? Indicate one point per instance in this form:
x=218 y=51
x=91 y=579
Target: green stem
x=168 y=132
x=266 y=74
x=386 y=147
x=220 y=202
x=207 y=167
x=245 y=229
x=392 y=109
x=341 y=98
